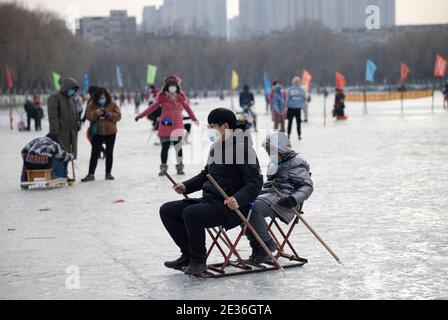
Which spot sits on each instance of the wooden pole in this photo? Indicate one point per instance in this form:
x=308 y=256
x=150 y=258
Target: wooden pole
x=310 y=228
x=247 y=224
x=186 y=197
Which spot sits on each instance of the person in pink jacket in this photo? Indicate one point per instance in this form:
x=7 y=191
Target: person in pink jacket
x=171 y=124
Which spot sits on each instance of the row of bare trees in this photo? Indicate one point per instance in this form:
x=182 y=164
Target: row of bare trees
x=35 y=43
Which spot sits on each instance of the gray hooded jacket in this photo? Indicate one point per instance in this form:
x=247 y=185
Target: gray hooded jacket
x=292 y=177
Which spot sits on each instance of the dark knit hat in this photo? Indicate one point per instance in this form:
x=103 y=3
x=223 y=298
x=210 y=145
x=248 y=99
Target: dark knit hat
x=221 y=116
x=171 y=80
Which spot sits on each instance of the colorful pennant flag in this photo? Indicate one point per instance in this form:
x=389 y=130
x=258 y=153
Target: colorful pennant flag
x=119 y=77
x=9 y=80
x=267 y=85
x=440 y=66
x=405 y=71
x=306 y=80
x=151 y=74
x=85 y=82
x=56 y=81
x=370 y=71
x=235 y=80
x=340 y=80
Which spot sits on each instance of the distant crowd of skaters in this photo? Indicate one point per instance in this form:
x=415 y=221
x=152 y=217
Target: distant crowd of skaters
x=168 y=109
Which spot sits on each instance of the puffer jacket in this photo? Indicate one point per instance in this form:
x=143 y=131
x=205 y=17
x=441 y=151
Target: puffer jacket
x=171 y=120
x=108 y=126
x=291 y=177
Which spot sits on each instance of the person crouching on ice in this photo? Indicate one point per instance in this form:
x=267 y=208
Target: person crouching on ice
x=42 y=154
x=234 y=165
x=290 y=174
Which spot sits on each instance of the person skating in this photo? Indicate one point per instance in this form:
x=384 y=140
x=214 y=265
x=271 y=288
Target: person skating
x=238 y=174
x=171 y=125
x=290 y=174
x=64 y=119
x=39 y=112
x=31 y=113
x=339 y=105
x=247 y=102
x=295 y=102
x=137 y=101
x=103 y=115
x=41 y=153
x=278 y=106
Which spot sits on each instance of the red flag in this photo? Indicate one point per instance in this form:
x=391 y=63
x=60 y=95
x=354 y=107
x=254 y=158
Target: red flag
x=340 y=80
x=440 y=67
x=306 y=79
x=405 y=71
x=9 y=81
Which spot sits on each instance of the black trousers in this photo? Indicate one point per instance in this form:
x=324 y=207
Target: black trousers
x=166 y=148
x=97 y=142
x=297 y=114
x=186 y=222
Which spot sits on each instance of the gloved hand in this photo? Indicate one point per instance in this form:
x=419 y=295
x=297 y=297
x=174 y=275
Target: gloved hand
x=287 y=202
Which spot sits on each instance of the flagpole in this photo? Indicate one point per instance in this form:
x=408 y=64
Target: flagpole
x=433 y=89
x=11 y=118
x=365 y=98
x=325 y=107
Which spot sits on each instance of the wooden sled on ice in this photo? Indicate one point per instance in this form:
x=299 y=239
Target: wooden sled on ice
x=43 y=179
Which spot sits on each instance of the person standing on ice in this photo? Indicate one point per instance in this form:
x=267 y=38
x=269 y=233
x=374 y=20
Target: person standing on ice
x=234 y=165
x=171 y=125
x=103 y=115
x=290 y=174
x=247 y=102
x=278 y=106
x=64 y=119
x=445 y=96
x=339 y=105
x=295 y=102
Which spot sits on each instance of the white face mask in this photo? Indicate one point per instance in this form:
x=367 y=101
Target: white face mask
x=172 y=89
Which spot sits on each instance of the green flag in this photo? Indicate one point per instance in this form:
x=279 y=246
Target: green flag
x=152 y=72
x=56 y=81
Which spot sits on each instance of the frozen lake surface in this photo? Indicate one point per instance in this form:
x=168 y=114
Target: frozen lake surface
x=381 y=202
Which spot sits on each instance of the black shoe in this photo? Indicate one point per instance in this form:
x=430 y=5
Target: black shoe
x=255 y=251
x=262 y=256
x=180 y=169
x=178 y=264
x=196 y=268
x=109 y=177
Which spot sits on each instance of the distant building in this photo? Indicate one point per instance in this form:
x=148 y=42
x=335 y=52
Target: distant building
x=116 y=28
x=258 y=17
x=361 y=36
x=187 y=17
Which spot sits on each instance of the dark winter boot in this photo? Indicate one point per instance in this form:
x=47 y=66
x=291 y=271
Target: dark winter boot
x=180 y=169
x=261 y=256
x=109 y=177
x=163 y=170
x=196 y=268
x=88 y=178
x=255 y=251
x=180 y=263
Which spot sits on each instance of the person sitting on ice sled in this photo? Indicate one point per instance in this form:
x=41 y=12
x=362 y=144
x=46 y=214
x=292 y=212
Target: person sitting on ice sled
x=290 y=174
x=44 y=153
x=234 y=165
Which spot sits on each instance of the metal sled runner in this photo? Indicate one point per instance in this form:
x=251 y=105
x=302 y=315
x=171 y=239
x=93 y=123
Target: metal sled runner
x=286 y=254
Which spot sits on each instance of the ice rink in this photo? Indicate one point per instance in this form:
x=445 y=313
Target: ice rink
x=380 y=201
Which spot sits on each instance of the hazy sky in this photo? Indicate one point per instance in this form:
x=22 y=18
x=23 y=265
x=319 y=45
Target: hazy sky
x=408 y=11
